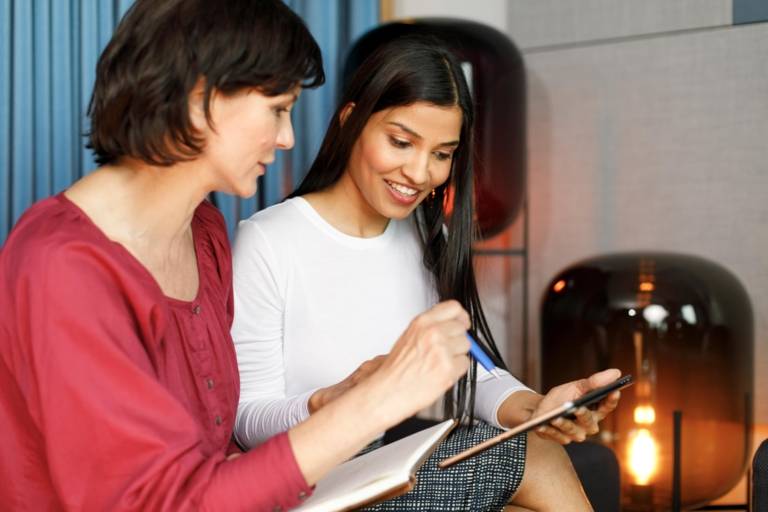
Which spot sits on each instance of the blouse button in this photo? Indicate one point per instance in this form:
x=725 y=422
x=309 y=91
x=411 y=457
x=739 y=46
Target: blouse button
x=196 y=309
x=302 y=495
x=218 y=419
x=209 y=382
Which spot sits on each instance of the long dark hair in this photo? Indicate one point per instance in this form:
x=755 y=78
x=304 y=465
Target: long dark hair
x=402 y=72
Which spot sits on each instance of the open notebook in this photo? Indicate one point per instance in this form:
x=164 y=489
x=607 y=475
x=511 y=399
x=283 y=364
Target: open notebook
x=384 y=473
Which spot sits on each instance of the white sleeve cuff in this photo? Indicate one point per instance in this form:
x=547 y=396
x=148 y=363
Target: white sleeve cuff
x=491 y=393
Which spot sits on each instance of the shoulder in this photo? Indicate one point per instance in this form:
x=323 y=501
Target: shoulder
x=48 y=233
x=211 y=218
x=210 y=230
x=276 y=218
x=55 y=249
x=274 y=226
x=407 y=232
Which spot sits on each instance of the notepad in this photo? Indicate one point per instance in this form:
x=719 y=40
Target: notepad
x=378 y=475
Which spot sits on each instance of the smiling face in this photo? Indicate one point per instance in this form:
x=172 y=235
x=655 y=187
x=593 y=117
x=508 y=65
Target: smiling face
x=246 y=129
x=401 y=155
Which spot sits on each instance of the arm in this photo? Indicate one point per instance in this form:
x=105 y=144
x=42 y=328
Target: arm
x=492 y=393
x=257 y=331
x=114 y=437
x=427 y=359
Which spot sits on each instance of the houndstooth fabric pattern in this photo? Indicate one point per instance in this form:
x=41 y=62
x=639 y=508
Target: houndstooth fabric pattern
x=485 y=482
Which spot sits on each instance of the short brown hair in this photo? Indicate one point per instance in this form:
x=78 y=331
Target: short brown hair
x=139 y=107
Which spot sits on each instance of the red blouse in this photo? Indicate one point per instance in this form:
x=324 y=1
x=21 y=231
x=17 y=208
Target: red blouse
x=114 y=396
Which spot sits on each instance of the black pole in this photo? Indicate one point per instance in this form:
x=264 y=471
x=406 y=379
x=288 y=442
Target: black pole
x=677 y=420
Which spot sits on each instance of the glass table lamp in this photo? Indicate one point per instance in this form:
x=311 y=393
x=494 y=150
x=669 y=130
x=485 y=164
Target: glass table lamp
x=683 y=326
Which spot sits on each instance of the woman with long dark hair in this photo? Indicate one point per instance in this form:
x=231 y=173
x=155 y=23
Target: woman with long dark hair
x=323 y=279
x=119 y=382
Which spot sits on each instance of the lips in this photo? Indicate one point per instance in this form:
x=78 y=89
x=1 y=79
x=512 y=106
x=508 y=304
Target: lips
x=402 y=189
x=402 y=193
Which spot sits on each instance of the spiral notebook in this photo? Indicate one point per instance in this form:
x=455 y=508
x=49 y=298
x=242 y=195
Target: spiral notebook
x=378 y=475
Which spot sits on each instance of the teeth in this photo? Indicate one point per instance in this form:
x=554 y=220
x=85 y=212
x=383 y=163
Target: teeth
x=406 y=191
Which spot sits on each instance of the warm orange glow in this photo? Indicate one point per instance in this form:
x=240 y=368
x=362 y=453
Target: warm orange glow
x=646 y=286
x=559 y=286
x=645 y=415
x=643 y=456
x=448 y=198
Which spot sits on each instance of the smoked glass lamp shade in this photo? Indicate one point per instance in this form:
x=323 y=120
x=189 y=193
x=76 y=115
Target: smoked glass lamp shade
x=683 y=327
x=496 y=76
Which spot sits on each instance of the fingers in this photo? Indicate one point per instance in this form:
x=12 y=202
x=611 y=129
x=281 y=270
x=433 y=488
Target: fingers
x=565 y=431
x=603 y=378
x=570 y=429
x=587 y=421
x=553 y=434
x=607 y=405
x=448 y=310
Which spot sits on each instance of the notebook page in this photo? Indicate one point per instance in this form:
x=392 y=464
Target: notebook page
x=374 y=473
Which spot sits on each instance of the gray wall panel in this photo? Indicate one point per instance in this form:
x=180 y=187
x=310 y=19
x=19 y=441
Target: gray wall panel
x=655 y=144
x=535 y=23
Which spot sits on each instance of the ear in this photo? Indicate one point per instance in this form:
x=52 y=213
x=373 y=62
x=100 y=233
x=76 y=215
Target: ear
x=196 y=105
x=344 y=114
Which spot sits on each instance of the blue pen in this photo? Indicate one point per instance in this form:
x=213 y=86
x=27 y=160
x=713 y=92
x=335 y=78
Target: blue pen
x=481 y=357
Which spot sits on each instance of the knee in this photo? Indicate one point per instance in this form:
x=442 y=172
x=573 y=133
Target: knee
x=545 y=455
x=546 y=464
x=549 y=480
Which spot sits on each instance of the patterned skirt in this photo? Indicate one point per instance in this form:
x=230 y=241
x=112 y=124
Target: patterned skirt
x=485 y=482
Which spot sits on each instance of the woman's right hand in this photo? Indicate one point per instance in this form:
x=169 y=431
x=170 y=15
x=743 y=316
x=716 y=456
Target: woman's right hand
x=429 y=357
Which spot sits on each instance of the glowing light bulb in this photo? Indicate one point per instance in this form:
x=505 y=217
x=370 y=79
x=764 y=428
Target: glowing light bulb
x=645 y=415
x=643 y=456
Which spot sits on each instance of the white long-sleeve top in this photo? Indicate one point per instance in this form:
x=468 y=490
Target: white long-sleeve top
x=312 y=304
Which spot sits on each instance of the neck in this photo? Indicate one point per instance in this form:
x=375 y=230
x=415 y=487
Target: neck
x=147 y=205
x=344 y=207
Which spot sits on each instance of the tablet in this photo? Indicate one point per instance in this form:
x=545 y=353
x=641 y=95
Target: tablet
x=586 y=400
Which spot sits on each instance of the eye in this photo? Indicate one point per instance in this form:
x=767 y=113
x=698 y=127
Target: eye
x=442 y=156
x=399 y=143
x=280 y=109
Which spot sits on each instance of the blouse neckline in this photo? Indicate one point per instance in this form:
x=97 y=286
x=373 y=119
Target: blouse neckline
x=71 y=205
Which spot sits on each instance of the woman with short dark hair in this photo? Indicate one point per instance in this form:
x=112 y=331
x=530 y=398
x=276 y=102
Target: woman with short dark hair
x=119 y=383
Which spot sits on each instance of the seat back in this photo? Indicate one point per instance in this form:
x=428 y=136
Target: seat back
x=760 y=478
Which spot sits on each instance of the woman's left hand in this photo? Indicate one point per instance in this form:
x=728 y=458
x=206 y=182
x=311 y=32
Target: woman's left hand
x=564 y=430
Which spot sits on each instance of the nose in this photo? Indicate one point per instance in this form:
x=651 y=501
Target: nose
x=285 y=139
x=417 y=168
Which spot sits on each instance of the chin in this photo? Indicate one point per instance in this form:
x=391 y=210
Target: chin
x=244 y=190
x=400 y=213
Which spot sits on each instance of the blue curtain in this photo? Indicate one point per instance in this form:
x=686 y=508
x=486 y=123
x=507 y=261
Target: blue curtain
x=48 y=54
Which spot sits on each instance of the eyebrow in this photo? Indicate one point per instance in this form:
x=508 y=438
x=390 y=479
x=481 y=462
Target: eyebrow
x=292 y=98
x=408 y=130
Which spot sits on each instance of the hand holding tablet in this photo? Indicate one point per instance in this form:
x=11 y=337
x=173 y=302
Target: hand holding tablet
x=569 y=407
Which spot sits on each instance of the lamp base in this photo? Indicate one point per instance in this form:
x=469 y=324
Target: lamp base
x=640 y=498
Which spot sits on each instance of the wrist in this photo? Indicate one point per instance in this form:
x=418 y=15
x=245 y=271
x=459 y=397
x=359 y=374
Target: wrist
x=315 y=401
x=378 y=403
x=518 y=408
